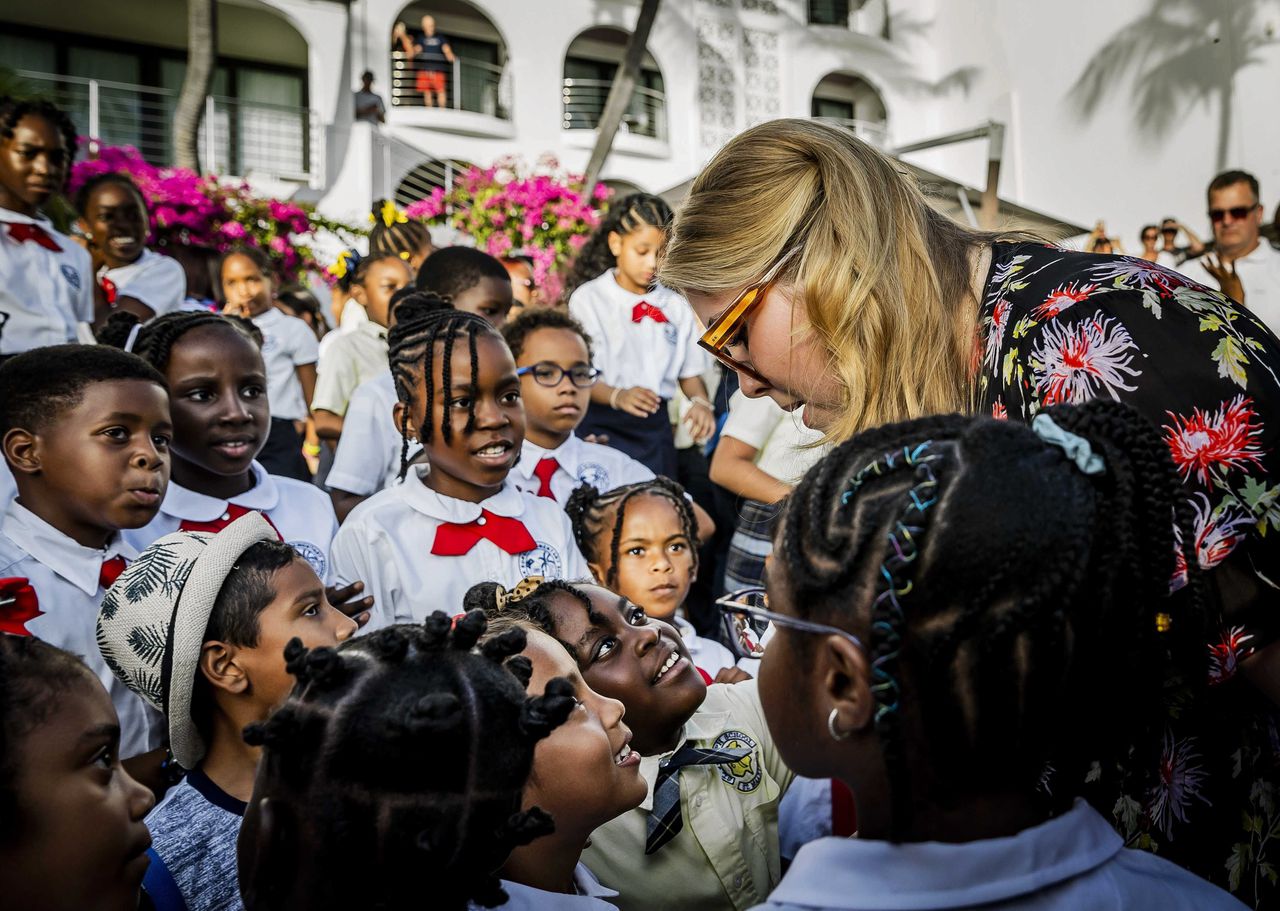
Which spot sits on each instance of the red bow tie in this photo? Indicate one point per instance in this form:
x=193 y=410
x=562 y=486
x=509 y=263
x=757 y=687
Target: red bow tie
x=22 y=232
x=18 y=604
x=108 y=289
x=544 y=471
x=233 y=512
x=454 y=539
x=645 y=310
x=111 y=570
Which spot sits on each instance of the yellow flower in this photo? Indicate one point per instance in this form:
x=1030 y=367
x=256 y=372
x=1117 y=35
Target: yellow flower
x=391 y=215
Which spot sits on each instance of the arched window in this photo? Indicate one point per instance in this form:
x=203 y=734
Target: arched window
x=850 y=100
x=424 y=178
x=422 y=73
x=590 y=65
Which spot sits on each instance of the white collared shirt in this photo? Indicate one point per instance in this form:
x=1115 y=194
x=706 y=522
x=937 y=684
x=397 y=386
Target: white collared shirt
x=1259 y=273
x=649 y=354
x=355 y=357
x=368 y=454
x=1075 y=861
x=590 y=895
x=43 y=293
x=65 y=575
x=386 y=541
x=300 y=512
x=603 y=467
x=152 y=279
x=781 y=440
x=287 y=343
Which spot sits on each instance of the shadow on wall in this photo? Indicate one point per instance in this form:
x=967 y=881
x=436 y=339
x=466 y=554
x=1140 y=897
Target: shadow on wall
x=1178 y=54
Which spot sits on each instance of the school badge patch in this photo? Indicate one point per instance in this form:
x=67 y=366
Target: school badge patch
x=670 y=333
x=745 y=774
x=595 y=474
x=312 y=554
x=72 y=277
x=543 y=560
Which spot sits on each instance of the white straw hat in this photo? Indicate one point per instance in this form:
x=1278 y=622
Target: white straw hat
x=152 y=621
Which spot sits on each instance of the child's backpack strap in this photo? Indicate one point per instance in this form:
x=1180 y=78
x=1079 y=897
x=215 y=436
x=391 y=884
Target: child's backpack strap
x=159 y=886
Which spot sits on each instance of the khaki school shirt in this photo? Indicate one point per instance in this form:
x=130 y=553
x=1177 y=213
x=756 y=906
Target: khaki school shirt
x=726 y=856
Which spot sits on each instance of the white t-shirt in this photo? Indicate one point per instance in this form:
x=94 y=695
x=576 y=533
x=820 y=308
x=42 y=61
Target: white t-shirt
x=653 y=353
x=287 y=343
x=369 y=99
x=603 y=467
x=591 y=896
x=300 y=512
x=43 y=293
x=153 y=279
x=1259 y=273
x=354 y=358
x=387 y=541
x=64 y=575
x=368 y=454
x=777 y=436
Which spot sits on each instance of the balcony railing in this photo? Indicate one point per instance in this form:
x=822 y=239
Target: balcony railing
x=469 y=85
x=584 y=100
x=237 y=137
x=873 y=132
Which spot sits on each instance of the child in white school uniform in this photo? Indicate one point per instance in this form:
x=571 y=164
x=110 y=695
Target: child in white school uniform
x=644 y=335
x=46 y=278
x=459 y=520
x=86 y=433
x=958 y=690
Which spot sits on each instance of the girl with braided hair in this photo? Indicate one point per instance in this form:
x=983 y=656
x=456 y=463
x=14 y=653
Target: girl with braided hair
x=456 y=519
x=971 y=616
x=395 y=233
x=398 y=768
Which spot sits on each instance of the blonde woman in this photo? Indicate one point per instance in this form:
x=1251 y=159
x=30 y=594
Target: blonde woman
x=826 y=280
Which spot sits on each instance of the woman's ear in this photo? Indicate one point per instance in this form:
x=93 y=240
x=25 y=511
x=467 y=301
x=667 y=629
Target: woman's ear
x=219 y=664
x=846 y=680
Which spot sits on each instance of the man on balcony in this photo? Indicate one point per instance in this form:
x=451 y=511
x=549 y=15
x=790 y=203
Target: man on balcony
x=433 y=59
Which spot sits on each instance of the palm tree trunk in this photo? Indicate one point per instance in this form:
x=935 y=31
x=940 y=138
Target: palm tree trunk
x=1226 y=98
x=202 y=43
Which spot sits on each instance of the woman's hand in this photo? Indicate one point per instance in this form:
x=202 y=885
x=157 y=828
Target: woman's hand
x=637 y=401
x=347 y=599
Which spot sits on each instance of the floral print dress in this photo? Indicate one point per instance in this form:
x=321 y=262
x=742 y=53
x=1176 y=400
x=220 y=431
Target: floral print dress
x=1064 y=327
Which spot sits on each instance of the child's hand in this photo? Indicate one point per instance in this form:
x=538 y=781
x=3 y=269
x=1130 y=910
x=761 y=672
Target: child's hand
x=231 y=309
x=638 y=401
x=347 y=599
x=731 y=675
x=701 y=422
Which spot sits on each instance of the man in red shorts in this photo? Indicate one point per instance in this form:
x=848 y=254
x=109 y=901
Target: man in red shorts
x=434 y=58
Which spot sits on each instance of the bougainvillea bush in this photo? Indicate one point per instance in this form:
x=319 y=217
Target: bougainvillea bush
x=192 y=209
x=542 y=212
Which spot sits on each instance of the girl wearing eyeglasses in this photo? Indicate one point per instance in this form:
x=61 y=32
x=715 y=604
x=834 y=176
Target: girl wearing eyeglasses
x=969 y=617
x=825 y=279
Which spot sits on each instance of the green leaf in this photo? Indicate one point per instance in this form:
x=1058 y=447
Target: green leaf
x=1023 y=326
x=1241 y=854
x=1231 y=361
x=1010 y=358
x=1211 y=324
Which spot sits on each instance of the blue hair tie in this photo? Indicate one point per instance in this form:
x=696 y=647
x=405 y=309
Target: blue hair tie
x=1076 y=447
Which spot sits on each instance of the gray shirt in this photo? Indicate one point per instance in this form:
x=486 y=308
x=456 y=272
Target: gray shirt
x=193 y=833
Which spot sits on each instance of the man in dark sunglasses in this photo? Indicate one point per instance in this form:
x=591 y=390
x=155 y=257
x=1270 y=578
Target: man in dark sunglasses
x=1242 y=264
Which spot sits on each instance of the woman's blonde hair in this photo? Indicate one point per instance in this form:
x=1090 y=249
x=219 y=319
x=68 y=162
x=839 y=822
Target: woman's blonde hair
x=884 y=278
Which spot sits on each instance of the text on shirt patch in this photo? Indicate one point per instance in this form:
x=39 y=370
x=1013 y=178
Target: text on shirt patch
x=72 y=277
x=312 y=554
x=269 y=343
x=595 y=474
x=745 y=774
x=543 y=560
x=670 y=333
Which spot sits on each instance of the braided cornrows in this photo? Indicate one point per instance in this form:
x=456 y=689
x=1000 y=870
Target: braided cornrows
x=156 y=338
x=587 y=509
x=624 y=216
x=404 y=753
x=532 y=609
x=403 y=239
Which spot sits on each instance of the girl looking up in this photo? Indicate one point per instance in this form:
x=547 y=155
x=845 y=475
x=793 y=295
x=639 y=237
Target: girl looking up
x=644 y=337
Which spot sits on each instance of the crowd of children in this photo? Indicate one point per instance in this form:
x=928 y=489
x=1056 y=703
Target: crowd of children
x=463 y=668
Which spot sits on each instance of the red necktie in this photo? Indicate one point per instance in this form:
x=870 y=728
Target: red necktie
x=454 y=539
x=543 y=471
x=18 y=604
x=23 y=232
x=108 y=289
x=111 y=570
x=646 y=310
x=233 y=512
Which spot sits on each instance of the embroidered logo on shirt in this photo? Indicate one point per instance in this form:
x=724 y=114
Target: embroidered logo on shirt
x=72 y=277
x=269 y=343
x=312 y=554
x=595 y=474
x=745 y=774
x=670 y=333
x=543 y=560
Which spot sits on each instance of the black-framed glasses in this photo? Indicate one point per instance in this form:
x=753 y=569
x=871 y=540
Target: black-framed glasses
x=747 y=619
x=1237 y=213
x=548 y=374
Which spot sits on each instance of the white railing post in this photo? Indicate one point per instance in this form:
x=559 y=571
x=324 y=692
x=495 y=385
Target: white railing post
x=95 y=121
x=210 y=144
x=457 y=82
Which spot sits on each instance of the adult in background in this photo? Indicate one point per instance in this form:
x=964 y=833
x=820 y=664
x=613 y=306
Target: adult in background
x=1170 y=253
x=1242 y=264
x=826 y=280
x=370 y=107
x=432 y=59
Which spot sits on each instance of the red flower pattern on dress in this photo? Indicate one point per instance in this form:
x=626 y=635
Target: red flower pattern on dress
x=1076 y=363
x=18 y=605
x=1062 y=298
x=1226 y=438
x=1140 y=274
x=995 y=334
x=1225 y=656
x=999 y=411
x=1217 y=531
x=1180 y=781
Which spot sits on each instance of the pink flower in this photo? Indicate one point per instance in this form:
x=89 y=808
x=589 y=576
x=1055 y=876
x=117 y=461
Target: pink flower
x=278 y=244
x=234 y=230
x=1062 y=298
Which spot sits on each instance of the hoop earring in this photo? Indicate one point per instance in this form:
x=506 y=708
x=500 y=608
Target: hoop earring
x=831 y=728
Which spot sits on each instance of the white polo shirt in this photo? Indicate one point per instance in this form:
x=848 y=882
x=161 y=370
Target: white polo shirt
x=43 y=293
x=781 y=439
x=649 y=353
x=603 y=467
x=591 y=895
x=153 y=279
x=64 y=575
x=287 y=343
x=387 y=540
x=1075 y=861
x=368 y=454
x=1259 y=273
x=300 y=512
x=354 y=357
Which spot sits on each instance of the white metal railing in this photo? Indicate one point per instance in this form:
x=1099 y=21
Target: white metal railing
x=237 y=137
x=874 y=132
x=583 y=102
x=469 y=85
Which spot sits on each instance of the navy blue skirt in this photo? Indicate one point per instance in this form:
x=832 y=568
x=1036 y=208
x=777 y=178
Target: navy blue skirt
x=649 y=441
